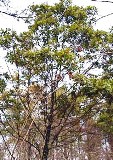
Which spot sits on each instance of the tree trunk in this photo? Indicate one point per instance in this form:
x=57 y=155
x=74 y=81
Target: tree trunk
x=29 y=146
x=46 y=146
x=110 y=141
x=48 y=129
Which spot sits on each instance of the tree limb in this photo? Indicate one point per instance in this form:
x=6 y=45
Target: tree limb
x=103 y=1
x=14 y=15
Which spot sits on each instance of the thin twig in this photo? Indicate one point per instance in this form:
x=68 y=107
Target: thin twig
x=104 y=16
x=14 y=15
x=103 y=1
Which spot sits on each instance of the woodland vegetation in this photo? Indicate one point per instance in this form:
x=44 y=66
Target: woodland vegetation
x=57 y=104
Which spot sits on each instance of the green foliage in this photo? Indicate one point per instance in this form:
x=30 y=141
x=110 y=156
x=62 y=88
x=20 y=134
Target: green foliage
x=105 y=120
x=2 y=85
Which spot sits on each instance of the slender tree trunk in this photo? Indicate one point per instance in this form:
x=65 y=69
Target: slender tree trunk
x=110 y=141
x=29 y=147
x=46 y=146
x=48 y=129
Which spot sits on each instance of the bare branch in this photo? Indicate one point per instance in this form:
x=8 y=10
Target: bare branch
x=103 y=1
x=15 y=15
x=104 y=16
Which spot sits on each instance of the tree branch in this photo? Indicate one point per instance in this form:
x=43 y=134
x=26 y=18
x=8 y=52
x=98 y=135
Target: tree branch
x=104 y=16
x=103 y=1
x=14 y=15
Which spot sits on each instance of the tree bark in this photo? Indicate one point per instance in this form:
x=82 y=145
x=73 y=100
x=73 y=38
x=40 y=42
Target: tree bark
x=48 y=129
x=46 y=146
